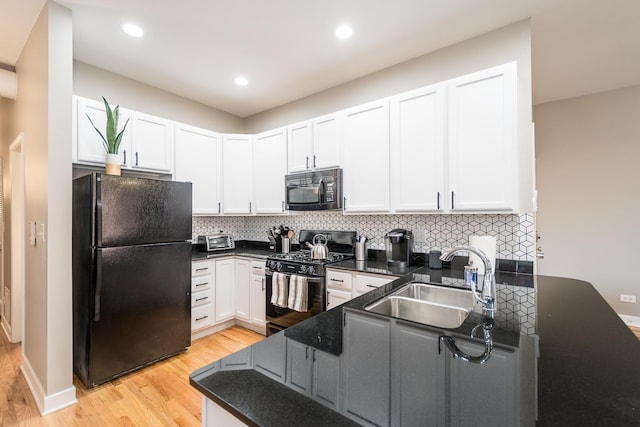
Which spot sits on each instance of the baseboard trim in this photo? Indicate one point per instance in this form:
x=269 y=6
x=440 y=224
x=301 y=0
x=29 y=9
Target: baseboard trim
x=630 y=320
x=46 y=403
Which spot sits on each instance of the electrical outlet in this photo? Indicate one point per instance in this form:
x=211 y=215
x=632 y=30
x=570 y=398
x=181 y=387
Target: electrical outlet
x=628 y=298
x=421 y=236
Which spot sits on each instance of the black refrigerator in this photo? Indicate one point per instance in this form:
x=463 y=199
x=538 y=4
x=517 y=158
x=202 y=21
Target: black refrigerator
x=131 y=274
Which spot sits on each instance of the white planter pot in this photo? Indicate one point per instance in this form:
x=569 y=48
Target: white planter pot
x=112 y=164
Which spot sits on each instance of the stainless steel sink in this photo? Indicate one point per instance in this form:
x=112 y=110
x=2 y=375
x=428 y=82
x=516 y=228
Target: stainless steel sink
x=425 y=303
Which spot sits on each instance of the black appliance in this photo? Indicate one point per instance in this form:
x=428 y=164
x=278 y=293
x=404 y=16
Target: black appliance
x=312 y=191
x=131 y=274
x=341 y=247
x=399 y=247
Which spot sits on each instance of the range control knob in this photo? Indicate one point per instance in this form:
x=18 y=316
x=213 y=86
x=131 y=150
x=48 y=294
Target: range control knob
x=309 y=269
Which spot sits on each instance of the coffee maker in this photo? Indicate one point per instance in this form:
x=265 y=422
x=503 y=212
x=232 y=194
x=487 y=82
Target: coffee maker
x=399 y=245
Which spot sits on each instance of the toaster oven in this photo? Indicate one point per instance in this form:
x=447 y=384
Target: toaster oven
x=215 y=242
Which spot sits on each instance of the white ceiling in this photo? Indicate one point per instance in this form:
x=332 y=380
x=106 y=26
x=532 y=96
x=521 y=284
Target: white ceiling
x=286 y=48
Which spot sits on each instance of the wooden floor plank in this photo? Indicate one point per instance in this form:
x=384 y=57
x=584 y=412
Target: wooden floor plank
x=159 y=395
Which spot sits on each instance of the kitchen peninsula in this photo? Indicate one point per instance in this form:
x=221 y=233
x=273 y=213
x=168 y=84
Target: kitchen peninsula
x=570 y=367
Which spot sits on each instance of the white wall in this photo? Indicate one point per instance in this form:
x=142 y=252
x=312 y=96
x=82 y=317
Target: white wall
x=94 y=83
x=42 y=110
x=588 y=166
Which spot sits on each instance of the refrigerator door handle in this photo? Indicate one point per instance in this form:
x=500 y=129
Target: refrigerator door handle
x=96 y=297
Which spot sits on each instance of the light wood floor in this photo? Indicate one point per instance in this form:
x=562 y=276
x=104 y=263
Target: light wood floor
x=635 y=330
x=159 y=395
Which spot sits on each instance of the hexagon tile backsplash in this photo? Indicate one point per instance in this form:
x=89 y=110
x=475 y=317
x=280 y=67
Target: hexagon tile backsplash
x=515 y=234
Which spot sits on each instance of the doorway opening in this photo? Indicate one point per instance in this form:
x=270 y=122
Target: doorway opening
x=13 y=291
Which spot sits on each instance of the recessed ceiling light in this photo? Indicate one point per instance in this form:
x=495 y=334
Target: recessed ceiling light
x=344 y=32
x=133 y=30
x=241 y=81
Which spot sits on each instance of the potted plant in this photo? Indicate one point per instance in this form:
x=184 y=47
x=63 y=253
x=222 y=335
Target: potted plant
x=112 y=140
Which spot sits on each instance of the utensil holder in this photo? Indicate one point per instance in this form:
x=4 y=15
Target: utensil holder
x=361 y=251
x=286 y=245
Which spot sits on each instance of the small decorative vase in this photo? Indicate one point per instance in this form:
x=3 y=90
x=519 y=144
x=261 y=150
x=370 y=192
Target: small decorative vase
x=112 y=164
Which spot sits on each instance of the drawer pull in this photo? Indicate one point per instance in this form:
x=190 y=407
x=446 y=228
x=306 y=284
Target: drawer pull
x=371 y=286
x=201 y=299
x=337 y=280
x=202 y=269
x=201 y=318
x=202 y=284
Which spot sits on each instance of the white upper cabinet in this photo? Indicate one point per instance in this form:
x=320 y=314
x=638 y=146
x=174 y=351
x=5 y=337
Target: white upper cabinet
x=482 y=140
x=151 y=143
x=314 y=144
x=88 y=147
x=147 y=143
x=197 y=155
x=269 y=169
x=237 y=172
x=417 y=150
x=366 y=157
x=300 y=146
x=327 y=141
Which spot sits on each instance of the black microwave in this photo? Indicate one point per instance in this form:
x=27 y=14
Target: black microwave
x=314 y=191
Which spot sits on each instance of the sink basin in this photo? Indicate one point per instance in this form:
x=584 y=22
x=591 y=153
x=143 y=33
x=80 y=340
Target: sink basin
x=425 y=303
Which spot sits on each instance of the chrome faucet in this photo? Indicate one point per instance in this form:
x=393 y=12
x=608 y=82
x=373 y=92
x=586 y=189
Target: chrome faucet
x=488 y=298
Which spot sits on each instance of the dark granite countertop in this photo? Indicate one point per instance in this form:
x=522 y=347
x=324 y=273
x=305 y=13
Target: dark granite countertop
x=588 y=370
x=251 y=253
x=373 y=266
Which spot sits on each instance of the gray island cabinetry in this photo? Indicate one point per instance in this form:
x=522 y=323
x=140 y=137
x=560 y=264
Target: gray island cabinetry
x=314 y=373
x=428 y=385
x=545 y=367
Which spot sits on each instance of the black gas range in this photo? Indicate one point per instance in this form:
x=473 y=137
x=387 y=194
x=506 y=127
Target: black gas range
x=292 y=266
x=301 y=262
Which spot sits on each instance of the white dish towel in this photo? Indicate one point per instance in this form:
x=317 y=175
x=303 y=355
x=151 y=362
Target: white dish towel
x=298 y=293
x=279 y=289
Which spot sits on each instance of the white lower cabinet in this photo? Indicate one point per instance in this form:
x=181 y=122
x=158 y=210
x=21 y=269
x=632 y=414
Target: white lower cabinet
x=227 y=291
x=202 y=294
x=251 y=295
x=242 y=289
x=364 y=282
x=343 y=285
x=257 y=297
x=314 y=373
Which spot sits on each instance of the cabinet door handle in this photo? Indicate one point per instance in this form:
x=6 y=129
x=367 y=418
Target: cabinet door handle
x=314 y=161
x=124 y=153
x=218 y=207
x=283 y=206
x=263 y=284
x=438 y=200
x=452 y=201
x=306 y=353
x=136 y=158
x=307 y=163
x=201 y=318
x=249 y=207
x=344 y=204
